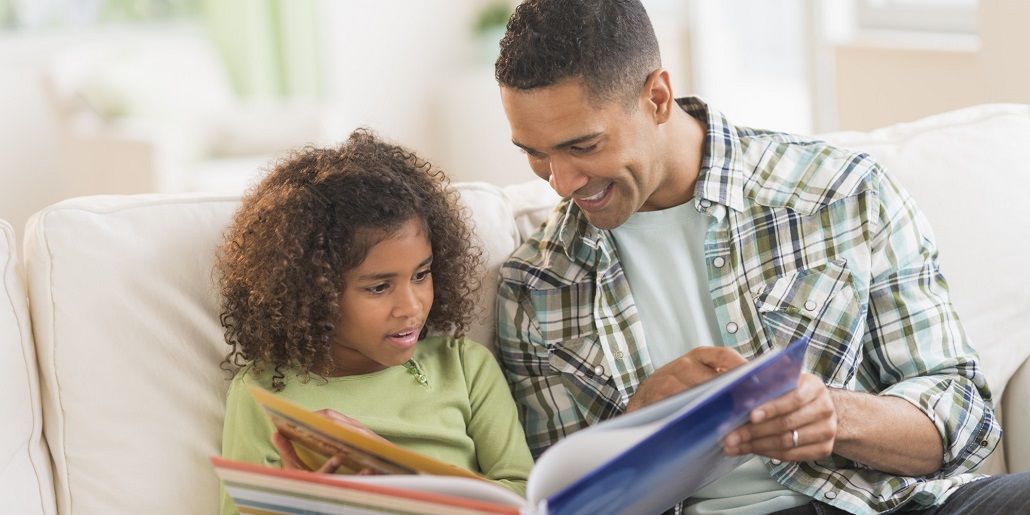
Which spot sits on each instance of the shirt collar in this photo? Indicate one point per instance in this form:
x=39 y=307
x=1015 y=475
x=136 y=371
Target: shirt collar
x=720 y=179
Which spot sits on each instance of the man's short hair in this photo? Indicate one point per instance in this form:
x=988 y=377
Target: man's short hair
x=608 y=44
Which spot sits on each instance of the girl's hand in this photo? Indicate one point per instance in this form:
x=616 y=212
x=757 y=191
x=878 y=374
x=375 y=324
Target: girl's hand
x=288 y=454
x=344 y=420
x=289 y=459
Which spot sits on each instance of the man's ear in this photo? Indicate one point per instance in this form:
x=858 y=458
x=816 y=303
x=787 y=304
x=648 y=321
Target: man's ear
x=657 y=94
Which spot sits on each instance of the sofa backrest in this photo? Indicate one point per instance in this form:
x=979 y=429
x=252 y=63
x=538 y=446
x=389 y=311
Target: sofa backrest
x=126 y=326
x=25 y=478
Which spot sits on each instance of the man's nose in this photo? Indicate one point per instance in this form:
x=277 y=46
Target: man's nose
x=565 y=179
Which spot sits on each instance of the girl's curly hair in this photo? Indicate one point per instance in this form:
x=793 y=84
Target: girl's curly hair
x=314 y=217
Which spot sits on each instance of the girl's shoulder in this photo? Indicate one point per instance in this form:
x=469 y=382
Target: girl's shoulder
x=451 y=354
x=434 y=345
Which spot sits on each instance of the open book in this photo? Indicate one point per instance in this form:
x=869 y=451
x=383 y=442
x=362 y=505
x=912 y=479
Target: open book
x=642 y=462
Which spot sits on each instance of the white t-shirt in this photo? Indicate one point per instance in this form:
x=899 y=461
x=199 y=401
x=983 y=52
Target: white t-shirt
x=663 y=256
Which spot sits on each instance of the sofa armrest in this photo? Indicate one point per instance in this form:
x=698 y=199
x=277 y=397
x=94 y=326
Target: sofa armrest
x=1016 y=420
x=26 y=482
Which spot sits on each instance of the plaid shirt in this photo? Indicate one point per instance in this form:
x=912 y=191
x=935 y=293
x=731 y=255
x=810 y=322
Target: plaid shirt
x=805 y=239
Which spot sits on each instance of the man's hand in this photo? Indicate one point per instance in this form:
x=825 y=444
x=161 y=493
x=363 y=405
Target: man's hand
x=798 y=426
x=886 y=433
x=687 y=371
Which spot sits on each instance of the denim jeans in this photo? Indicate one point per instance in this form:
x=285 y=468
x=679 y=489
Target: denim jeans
x=1003 y=494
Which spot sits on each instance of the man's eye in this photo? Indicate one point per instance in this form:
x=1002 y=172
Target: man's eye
x=584 y=150
x=533 y=154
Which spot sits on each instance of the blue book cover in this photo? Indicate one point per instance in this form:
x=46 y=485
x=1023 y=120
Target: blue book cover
x=649 y=460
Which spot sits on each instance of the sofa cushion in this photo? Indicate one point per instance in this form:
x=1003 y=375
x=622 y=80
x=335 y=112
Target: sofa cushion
x=498 y=235
x=531 y=202
x=126 y=319
x=26 y=484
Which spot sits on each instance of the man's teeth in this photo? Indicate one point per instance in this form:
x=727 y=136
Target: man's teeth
x=597 y=195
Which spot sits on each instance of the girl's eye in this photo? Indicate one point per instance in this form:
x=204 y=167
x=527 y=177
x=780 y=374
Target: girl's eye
x=377 y=289
x=421 y=276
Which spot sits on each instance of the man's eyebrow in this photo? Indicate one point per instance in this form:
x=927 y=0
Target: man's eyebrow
x=567 y=143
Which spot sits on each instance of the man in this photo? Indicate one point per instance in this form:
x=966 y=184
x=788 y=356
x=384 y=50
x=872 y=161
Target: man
x=685 y=245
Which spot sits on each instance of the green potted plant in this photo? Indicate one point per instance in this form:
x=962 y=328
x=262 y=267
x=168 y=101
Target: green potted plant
x=489 y=25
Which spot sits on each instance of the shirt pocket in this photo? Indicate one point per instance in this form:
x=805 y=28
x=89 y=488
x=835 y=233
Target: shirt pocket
x=584 y=373
x=820 y=303
x=564 y=312
x=565 y=318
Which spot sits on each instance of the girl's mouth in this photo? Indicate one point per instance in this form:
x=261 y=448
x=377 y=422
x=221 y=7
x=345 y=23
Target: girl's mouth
x=405 y=338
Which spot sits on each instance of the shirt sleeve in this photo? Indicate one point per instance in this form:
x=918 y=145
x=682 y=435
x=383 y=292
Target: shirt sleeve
x=494 y=425
x=915 y=346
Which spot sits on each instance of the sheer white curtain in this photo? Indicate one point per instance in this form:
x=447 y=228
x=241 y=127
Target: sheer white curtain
x=751 y=60
x=272 y=48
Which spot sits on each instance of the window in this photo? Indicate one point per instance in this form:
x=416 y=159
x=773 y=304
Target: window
x=955 y=16
x=57 y=14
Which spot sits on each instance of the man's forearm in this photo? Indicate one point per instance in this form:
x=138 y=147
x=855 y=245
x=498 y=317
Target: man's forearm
x=886 y=433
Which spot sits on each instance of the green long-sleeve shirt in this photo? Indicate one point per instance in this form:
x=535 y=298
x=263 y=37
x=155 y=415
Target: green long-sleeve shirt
x=463 y=415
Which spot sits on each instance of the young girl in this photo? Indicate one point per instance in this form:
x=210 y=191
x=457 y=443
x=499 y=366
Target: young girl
x=335 y=268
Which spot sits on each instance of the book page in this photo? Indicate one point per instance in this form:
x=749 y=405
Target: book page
x=358 y=450
x=267 y=490
x=457 y=486
x=555 y=471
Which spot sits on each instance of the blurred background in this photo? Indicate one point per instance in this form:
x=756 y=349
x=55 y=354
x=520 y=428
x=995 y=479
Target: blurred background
x=130 y=96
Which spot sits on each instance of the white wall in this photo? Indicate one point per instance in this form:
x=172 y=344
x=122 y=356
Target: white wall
x=28 y=144
x=410 y=69
x=749 y=59
x=388 y=62
x=885 y=78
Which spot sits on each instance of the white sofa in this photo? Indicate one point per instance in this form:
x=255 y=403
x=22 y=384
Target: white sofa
x=113 y=401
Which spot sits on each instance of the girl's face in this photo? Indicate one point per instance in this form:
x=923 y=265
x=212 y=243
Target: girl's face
x=385 y=303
